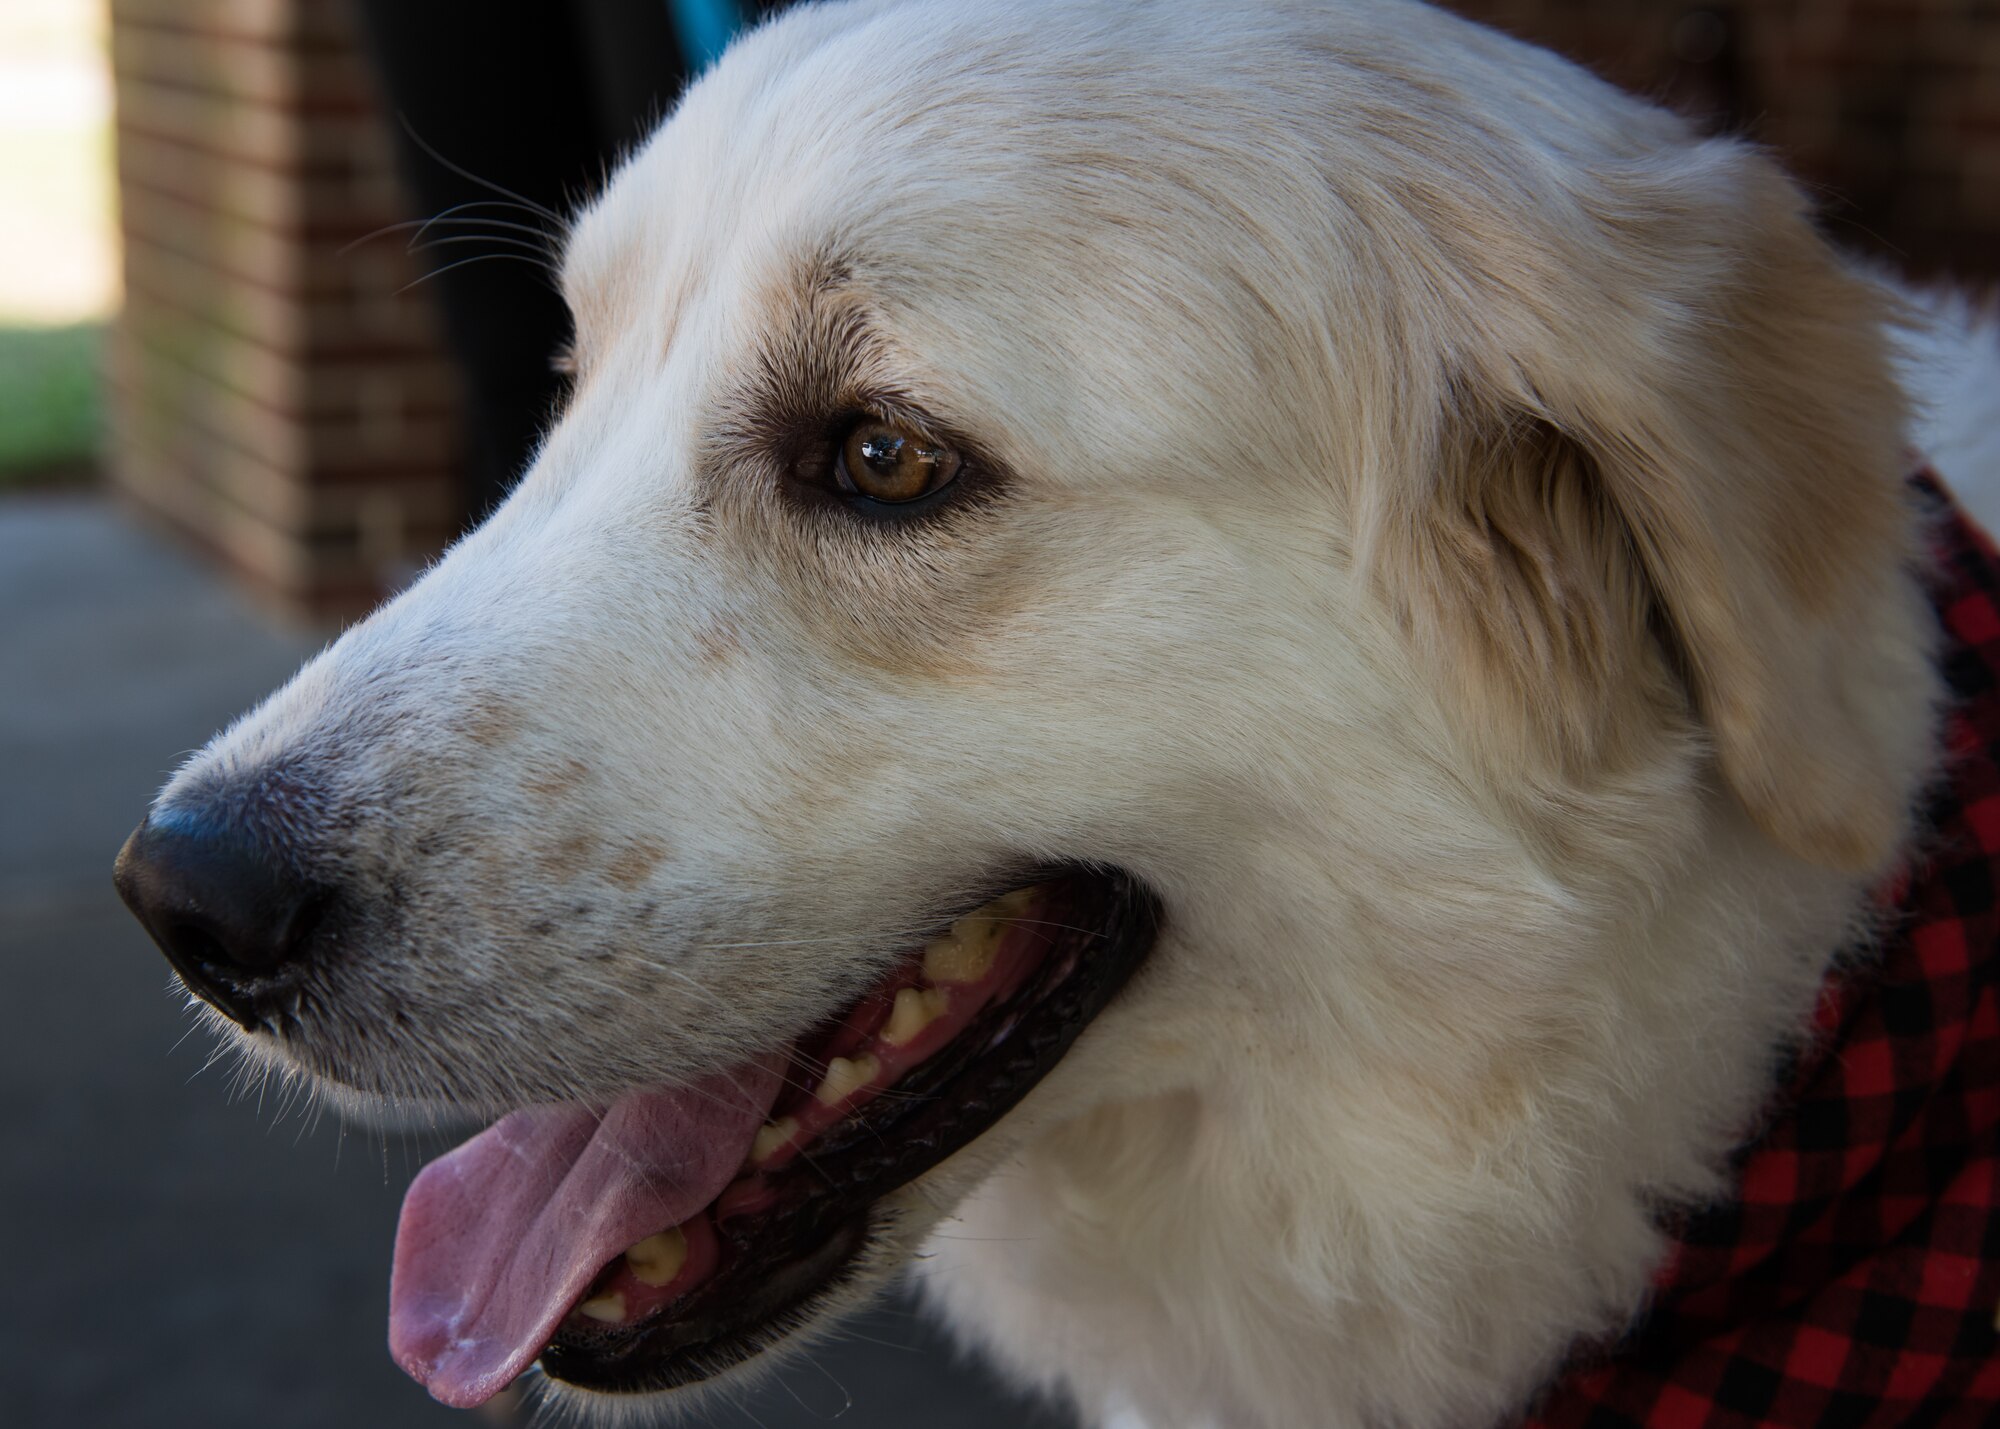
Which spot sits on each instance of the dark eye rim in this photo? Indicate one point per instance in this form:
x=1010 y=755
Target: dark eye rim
x=875 y=509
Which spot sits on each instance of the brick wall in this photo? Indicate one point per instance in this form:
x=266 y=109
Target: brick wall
x=273 y=397
x=1890 y=108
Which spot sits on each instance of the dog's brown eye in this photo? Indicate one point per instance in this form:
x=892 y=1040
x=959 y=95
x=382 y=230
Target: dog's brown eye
x=892 y=464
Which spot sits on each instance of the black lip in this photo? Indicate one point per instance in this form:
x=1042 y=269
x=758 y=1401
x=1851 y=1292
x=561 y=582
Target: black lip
x=779 y=1261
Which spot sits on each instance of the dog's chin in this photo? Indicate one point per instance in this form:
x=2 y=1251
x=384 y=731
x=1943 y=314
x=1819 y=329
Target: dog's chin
x=859 y=1267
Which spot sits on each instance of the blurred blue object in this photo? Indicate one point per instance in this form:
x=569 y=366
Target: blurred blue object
x=704 y=27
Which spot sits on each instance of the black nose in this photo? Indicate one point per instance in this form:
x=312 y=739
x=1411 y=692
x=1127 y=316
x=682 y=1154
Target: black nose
x=222 y=906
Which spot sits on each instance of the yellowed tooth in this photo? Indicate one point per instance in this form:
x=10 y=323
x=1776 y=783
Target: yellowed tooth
x=964 y=953
x=608 y=1308
x=772 y=1137
x=943 y=956
x=657 y=1259
x=916 y=1008
x=844 y=1076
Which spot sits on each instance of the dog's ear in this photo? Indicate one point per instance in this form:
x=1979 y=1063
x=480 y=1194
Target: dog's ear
x=1674 y=471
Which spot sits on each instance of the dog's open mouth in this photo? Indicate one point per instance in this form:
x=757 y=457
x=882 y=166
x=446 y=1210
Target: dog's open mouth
x=666 y=1238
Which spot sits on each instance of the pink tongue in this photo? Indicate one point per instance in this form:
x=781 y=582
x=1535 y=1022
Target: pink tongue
x=500 y=1237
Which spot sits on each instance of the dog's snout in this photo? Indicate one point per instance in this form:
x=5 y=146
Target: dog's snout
x=221 y=903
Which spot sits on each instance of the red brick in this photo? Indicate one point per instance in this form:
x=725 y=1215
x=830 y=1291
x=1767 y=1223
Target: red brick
x=330 y=83
x=299 y=24
x=273 y=397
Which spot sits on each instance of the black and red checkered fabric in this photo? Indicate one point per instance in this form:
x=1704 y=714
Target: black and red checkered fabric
x=1854 y=1277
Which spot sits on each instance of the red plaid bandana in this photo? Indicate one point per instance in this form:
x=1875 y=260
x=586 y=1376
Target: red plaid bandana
x=1854 y=1276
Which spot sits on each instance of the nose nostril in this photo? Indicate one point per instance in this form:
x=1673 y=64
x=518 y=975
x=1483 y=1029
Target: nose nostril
x=223 y=906
x=196 y=945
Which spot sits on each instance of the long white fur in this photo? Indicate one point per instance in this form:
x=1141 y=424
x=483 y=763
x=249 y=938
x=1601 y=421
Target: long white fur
x=1951 y=365
x=1382 y=1127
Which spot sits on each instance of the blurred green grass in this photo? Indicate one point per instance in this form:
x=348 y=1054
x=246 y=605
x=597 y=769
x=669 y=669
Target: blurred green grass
x=58 y=240
x=49 y=402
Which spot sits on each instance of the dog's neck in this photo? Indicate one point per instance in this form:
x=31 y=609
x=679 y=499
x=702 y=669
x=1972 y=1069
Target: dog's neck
x=1403 y=1203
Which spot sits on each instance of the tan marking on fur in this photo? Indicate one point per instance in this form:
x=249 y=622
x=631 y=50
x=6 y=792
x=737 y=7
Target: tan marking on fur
x=1832 y=514
x=719 y=643
x=1744 y=495
x=922 y=603
x=1528 y=596
x=634 y=863
x=569 y=857
x=1764 y=492
x=554 y=782
x=490 y=721
x=1472 y=1109
x=806 y=291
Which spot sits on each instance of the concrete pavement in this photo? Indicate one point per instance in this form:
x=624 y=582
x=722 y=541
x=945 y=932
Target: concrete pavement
x=173 y=1258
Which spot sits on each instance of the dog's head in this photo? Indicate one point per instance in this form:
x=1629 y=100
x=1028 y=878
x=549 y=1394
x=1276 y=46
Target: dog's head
x=1318 y=477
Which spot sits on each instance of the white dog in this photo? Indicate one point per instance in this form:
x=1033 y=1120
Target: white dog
x=1388 y=558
